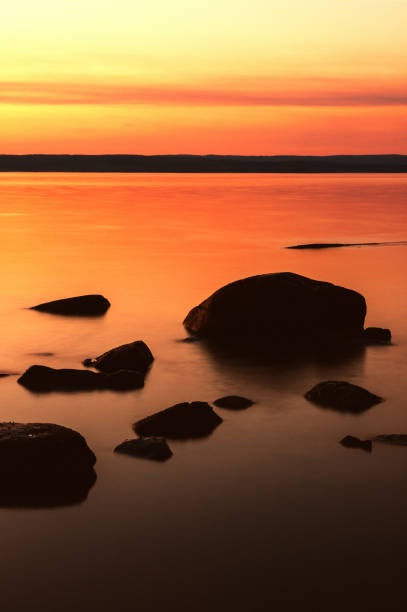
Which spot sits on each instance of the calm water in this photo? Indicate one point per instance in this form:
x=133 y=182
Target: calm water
x=269 y=512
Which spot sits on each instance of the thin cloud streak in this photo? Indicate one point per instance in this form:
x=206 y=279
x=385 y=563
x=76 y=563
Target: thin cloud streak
x=323 y=93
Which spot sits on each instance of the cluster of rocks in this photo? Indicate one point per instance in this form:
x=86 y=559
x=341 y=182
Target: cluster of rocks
x=269 y=312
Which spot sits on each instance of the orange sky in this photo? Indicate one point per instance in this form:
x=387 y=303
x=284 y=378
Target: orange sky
x=259 y=77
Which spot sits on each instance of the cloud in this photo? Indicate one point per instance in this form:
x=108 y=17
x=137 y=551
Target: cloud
x=235 y=92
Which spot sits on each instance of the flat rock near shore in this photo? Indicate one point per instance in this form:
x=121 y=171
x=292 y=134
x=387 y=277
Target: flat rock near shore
x=82 y=305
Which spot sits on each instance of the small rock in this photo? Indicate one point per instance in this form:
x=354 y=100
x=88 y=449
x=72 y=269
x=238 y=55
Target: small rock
x=233 y=402
x=352 y=442
x=377 y=335
x=185 y=420
x=133 y=356
x=399 y=439
x=43 y=378
x=341 y=395
x=83 y=305
x=148 y=448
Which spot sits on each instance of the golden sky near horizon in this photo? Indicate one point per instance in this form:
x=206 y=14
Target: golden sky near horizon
x=259 y=77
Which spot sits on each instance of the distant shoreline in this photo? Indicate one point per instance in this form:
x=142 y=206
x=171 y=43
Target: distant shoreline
x=205 y=163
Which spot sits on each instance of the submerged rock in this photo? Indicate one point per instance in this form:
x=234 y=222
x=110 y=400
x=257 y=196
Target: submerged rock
x=82 y=305
x=233 y=402
x=279 y=310
x=43 y=464
x=186 y=420
x=377 y=335
x=352 y=442
x=147 y=448
x=399 y=439
x=343 y=396
x=133 y=356
x=43 y=378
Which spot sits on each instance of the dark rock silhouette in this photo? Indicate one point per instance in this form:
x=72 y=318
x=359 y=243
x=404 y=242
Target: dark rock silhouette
x=377 y=335
x=352 y=442
x=42 y=378
x=147 y=448
x=336 y=245
x=42 y=464
x=398 y=439
x=83 y=305
x=343 y=396
x=281 y=310
x=233 y=402
x=133 y=356
x=186 y=420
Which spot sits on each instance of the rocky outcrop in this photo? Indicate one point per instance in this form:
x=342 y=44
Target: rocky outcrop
x=83 y=305
x=352 y=442
x=147 y=448
x=281 y=309
x=42 y=378
x=233 y=402
x=186 y=420
x=343 y=396
x=133 y=356
x=43 y=464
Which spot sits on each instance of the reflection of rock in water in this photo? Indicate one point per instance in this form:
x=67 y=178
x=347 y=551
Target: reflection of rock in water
x=185 y=420
x=44 y=465
x=343 y=396
x=82 y=305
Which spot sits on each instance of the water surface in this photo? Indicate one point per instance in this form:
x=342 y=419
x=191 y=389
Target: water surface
x=269 y=511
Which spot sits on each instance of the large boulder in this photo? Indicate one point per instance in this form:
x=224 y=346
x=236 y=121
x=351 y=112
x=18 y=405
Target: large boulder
x=341 y=395
x=133 y=356
x=185 y=420
x=42 y=378
x=281 y=309
x=156 y=449
x=42 y=464
x=82 y=305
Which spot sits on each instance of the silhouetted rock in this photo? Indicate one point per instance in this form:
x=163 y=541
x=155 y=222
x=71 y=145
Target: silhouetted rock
x=352 y=442
x=398 y=439
x=332 y=245
x=147 y=448
x=133 y=356
x=279 y=310
x=42 y=464
x=186 y=420
x=377 y=335
x=43 y=378
x=342 y=396
x=83 y=305
x=233 y=402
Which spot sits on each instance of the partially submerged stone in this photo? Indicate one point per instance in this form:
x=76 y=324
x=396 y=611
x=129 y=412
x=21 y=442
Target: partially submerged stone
x=398 y=439
x=82 y=305
x=42 y=378
x=352 y=442
x=233 y=402
x=185 y=420
x=147 y=448
x=343 y=396
x=377 y=335
x=279 y=310
x=43 y=464
x=132 y=356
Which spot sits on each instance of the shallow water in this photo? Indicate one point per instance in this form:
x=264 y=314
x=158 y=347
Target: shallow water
x=269 y=510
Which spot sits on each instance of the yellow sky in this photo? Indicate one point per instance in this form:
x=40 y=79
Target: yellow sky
x=266 y=76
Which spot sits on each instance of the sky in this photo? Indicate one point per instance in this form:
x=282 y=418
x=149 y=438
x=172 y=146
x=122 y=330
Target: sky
x=258 y=77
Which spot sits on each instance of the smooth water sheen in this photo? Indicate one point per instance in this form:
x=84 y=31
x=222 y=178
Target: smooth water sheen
x=268 y=513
